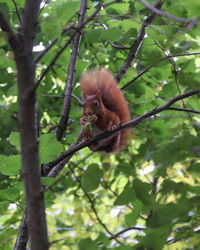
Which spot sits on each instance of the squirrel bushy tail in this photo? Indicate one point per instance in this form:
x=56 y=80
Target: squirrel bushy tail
x=102 y=80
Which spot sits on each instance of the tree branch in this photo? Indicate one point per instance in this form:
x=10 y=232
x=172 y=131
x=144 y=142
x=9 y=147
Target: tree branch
x=175 y=73
x=167 y=15
x=76 y=147
x=17 y=11
x=136 y=45
x=22 y=237
x=184 y=110
x=126 y=230
x=69 y=27
x=67 y=44
x=153 y=65
x=36 y=219
x=71 y=72
x=5 y=26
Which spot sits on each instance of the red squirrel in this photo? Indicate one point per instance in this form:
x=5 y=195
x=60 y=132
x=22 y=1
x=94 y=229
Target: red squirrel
x=104 y=108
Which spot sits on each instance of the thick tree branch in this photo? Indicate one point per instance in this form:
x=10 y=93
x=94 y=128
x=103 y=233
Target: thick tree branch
x=71 y=72
x=36 y=219
x=136 y=45
x=167 y=15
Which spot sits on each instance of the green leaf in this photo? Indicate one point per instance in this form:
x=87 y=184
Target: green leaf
x=127 y=196
x=67 y=10
x=87 y=243
x=111 y=35
x=10 y=165
x=92 y=177
x=142 y=191
x=47 y=180
x=11 y=193
x=15 y=140
x=50 y=148
x=132 y=217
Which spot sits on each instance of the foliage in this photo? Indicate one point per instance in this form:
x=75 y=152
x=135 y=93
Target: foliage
x=145 y=197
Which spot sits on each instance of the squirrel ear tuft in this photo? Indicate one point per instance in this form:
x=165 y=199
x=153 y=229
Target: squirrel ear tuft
x=99 y=95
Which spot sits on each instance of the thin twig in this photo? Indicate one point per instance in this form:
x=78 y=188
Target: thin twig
x=44 y=5
x=153 y=65
x=17 y=11
x=52 y=63
x=165 y=14
x=175 y=72
x=51 y=96
x=184 y=110
x=126 y=230
x=136 y=45
x=42 y=53
x=56 y=241
x=92 y=204
x=77 y=99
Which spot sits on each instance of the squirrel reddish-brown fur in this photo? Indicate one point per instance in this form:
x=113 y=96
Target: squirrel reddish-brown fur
x=105 y=108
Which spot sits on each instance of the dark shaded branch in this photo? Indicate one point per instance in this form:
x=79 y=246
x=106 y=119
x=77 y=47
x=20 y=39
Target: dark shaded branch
x=136 y=45
x=132 y=123
x=71 y=72
x=165 y=14
x=17 y=11
x=153 y=65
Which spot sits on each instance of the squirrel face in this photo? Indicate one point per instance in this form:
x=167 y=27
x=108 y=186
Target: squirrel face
x=92 y=104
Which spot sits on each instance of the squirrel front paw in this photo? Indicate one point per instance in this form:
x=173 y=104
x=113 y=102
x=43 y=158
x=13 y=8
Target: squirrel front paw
x=83 y=120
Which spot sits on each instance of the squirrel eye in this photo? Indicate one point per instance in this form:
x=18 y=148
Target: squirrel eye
x=96 y=103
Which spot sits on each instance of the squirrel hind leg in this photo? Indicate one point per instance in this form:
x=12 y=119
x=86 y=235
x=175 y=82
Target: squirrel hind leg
x=112 y=146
